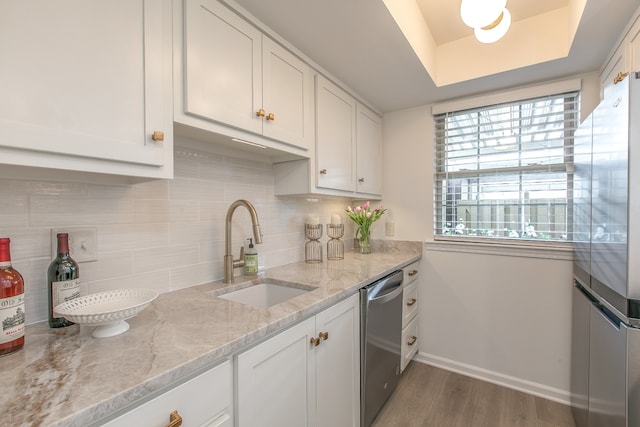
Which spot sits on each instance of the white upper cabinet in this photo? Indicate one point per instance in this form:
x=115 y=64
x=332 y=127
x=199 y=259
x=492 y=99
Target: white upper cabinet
x=633 y=41
x=287 y=96
x=336 y=137
x=624 y=59
x=222 y=66
x=369 y=151
x=86 y=86
x=232 y=80
x=348 y=155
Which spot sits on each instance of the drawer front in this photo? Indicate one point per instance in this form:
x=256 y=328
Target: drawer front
x=410 y=303
x=409 y=342
x=411 y=273
x=202 y=401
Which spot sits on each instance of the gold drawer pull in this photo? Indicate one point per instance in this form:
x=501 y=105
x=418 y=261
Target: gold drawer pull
x=157 y=135
x=361 y=180
x=271 y=116
x=411 y=302
x=323 y=171
x=413 y=340
x=175 y=420
x=324 y=335
x=413 y=273
x=315 y=341
x=260 y=113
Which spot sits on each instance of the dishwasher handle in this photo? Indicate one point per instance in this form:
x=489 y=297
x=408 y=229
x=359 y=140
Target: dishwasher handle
x=387 y=296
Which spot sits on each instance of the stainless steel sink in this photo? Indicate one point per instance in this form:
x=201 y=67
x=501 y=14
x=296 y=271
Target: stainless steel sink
x=263 y=292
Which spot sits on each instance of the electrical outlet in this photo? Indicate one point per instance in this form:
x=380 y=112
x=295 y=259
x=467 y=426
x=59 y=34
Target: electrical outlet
x=389 y=229
x=83 y=243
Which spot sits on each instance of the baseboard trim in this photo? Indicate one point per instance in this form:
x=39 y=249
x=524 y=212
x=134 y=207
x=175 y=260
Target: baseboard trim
x=530 y=387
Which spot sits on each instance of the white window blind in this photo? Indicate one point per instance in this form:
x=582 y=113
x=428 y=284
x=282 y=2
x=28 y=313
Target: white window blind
x=506 y=171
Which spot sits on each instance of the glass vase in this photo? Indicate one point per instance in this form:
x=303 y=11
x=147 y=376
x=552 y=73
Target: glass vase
x=365 y=242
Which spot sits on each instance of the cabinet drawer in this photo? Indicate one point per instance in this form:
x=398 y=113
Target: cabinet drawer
x=409 y=303
x=411 y=273
x=409 y=342
x=202 y=401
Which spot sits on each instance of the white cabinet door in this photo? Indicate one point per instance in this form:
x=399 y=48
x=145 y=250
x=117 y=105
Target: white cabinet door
x=308 y=375
x=633 y=41
x=287 y=96
x=202 y=401
x=369 y=151
x=338 y=364
x=222 y=66
x=617 y=64
x=85 y=85
x=276 y=380
x=336 y=136
x=235 y=76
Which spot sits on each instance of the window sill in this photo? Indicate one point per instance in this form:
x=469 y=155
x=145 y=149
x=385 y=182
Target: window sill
x=530 y=249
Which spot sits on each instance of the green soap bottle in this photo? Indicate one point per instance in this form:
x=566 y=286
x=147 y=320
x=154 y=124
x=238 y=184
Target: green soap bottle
x=250 y=260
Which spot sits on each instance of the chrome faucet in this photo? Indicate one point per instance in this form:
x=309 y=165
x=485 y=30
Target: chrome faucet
x=229 y=263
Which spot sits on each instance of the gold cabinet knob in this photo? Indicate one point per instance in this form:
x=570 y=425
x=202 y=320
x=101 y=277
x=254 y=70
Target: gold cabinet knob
x=271 y=116
x=361 y=180
x=175 y=420
x=411 y=302
x=324 y=335
x=315 y=341
x=260 y=113
x=619 y=77
x=413 y=273
x=323 y=171
x=413 y=340
x=157 y=135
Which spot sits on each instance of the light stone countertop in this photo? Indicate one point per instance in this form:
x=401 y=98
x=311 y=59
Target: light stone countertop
x=64 y=377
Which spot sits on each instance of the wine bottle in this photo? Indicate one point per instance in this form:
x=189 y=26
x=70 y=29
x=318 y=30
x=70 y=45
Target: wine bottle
x=64 y=281
x=11 y=302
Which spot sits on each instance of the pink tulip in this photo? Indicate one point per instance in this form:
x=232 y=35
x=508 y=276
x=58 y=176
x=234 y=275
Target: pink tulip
x=368 y=215
x=366 y=205
x=358 y=209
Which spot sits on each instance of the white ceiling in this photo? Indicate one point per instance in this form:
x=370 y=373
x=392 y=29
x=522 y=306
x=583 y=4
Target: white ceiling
x=359 y=42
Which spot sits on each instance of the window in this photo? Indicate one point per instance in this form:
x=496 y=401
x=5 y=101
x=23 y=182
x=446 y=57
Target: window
x=505 y=171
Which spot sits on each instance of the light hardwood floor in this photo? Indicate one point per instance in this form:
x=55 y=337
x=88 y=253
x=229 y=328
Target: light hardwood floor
x=433 y=397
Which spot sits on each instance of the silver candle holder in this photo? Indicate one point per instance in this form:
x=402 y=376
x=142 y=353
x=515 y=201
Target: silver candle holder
x=335 y=246
x=313 y=247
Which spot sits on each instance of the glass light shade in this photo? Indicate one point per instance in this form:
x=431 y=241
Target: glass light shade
x=480 y=13
x=495 y=33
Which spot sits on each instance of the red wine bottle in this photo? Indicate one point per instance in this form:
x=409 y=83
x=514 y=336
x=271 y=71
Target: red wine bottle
x=64 y=281
x=11 y=302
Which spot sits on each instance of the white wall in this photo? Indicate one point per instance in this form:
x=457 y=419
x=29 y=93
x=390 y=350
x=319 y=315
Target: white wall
x=502 y=318
x=160 y=234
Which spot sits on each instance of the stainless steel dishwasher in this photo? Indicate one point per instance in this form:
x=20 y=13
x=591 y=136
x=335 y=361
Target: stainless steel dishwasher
x=380 y=343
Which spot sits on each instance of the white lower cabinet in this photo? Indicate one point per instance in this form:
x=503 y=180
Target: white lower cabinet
x=308 y=375
x=203 y=401
x=410 y=293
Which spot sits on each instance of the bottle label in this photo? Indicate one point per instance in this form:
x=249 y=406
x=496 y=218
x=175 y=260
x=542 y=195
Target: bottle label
x=64 y=291
x=12 y=316
x=250 y=263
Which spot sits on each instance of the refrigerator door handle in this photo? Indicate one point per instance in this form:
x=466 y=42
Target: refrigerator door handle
x=609 y=317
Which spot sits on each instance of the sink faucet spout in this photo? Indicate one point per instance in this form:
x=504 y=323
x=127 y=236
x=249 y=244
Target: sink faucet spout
x=229 y=263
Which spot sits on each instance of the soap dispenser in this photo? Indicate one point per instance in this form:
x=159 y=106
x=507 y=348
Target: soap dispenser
x=250 y=260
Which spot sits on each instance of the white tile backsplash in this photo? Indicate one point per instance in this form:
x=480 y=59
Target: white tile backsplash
x=160 y=234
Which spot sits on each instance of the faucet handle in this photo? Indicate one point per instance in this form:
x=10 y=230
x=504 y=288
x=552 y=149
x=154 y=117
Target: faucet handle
x=237 y=263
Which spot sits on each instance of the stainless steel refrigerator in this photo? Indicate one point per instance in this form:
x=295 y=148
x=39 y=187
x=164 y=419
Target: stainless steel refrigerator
x=605 y=369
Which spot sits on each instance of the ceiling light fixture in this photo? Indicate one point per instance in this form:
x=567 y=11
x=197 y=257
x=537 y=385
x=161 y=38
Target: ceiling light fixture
x=489 y=19
x=494 y=31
